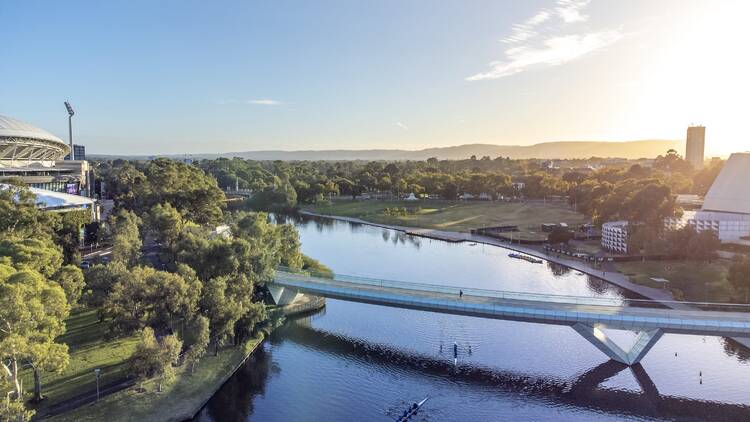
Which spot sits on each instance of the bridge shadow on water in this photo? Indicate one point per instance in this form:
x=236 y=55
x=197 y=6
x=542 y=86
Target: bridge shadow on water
x=585 y=391
x=235 y=400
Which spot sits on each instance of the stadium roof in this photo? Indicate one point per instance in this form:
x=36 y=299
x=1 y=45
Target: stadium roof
x=730 y=191
x=50 y=200
x=12 y=128
x=22 y=144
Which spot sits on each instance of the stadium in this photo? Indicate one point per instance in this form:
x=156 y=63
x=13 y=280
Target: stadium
x=23 y=145
x=38 y=158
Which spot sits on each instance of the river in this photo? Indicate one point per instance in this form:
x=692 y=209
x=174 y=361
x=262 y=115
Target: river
x=362 y=362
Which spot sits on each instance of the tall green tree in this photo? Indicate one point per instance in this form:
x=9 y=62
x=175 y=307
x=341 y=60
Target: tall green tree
x=197 y=338
x=71 y=279
x=147 y=297
x=35 y=254
x=126 y=238
x=155 y=358
x=99 y=281
x=165 y=223
x=32 y=315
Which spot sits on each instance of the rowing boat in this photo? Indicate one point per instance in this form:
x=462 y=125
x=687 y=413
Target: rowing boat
x=411 y=411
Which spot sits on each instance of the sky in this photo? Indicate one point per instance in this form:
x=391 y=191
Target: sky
x=188 y=77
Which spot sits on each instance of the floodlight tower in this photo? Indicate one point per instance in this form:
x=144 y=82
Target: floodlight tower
x=70 y=129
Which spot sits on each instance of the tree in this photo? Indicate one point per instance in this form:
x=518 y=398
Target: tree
x=99 y=281
x=21 y=219
x=559 y=235
x=35 y=254
x=739 y=276
x=150 y=297
x=289 y=248
x=154 y=357
x=703 y=245
x=197 y=338
x=71 y=279
x=188 y=188
x=703 y=180
x=126 y=237
x=173 y=297
x=165 y=222
x=221 y=309
x=32 y=315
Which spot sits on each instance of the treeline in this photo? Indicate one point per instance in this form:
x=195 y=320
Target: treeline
x=600 y=194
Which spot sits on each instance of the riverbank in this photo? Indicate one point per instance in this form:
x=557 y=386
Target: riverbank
x=188 y=394
x=458 y=216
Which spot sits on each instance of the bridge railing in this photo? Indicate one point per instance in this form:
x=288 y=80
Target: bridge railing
x=526 y=296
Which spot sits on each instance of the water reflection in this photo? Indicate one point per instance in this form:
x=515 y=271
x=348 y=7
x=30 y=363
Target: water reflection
x=234 y=401
x=584 y=391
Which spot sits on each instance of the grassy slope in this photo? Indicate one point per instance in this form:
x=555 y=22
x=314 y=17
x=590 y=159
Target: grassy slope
x=691 y=280
x=88 y=349
x=177 y=401
x=456 y=216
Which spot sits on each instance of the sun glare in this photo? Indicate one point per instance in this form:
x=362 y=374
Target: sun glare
x=698 y=74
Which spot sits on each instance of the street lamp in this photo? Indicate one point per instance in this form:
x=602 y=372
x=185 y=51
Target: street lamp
x=70 y=129
x=97 y=371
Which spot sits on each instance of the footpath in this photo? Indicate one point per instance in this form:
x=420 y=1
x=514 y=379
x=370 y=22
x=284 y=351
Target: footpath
x=612 y=277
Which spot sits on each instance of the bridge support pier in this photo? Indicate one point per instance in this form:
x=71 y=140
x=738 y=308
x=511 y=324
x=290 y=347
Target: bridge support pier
x=283 y=295
x=643 y=343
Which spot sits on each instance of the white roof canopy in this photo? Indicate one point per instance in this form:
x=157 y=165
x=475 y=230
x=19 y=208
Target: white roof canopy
x=730 y=191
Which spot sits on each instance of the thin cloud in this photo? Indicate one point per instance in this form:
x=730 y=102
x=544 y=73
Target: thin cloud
x=545 y=40
x=265 y=101
x=255 y=101
x=402 y=126
x=570 y=10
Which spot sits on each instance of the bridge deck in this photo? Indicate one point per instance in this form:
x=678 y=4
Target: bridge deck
x=528 y=307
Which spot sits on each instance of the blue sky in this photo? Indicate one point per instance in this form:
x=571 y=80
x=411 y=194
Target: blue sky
x=172 y=77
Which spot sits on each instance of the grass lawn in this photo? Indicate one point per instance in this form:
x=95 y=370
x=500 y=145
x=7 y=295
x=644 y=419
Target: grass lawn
x=690 y=280
x=456 y=216
x=89 y=349
x=177 y=401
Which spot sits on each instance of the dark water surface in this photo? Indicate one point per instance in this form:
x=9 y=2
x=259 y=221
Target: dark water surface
x=359 y=362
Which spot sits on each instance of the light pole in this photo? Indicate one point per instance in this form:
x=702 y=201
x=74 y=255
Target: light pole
x=70 y=129
x=97 y=371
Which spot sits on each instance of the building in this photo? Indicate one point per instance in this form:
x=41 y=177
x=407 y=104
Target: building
x=694 y=146
x=35 y=156
x=79 y=152
x=23 y=145
x=61 y=202
x=615 y=236
x=726 y=209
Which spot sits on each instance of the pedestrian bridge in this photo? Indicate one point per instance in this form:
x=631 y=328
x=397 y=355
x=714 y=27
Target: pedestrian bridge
x=586 y=315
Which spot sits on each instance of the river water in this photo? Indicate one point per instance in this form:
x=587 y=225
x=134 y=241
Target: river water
x=359 y=362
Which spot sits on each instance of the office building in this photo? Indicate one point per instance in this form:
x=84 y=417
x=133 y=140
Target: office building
x=695 y=145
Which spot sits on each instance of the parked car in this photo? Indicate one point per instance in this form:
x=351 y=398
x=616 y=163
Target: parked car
x=85 y=265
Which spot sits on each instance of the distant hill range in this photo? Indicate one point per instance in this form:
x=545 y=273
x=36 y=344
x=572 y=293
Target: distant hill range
x=546 y=150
